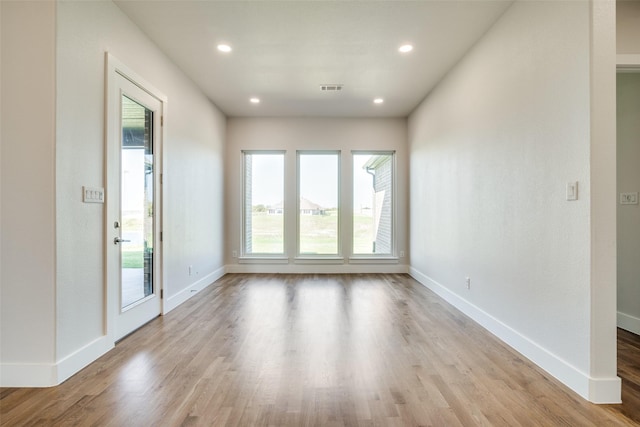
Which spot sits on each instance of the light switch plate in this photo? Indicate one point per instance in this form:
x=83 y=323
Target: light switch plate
x=93 y=194
x=572 y=191
x=629 y=198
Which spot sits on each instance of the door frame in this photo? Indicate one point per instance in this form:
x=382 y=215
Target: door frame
x=114 y=69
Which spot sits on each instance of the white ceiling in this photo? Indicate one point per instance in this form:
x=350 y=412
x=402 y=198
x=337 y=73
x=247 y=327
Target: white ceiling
x=284 y=50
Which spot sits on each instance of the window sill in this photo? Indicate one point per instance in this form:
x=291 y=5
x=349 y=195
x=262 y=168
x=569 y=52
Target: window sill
x=319 y=260
x=373 y=260
x=263 y=260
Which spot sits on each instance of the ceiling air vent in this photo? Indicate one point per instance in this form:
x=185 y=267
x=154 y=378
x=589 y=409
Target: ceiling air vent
x=331 y=87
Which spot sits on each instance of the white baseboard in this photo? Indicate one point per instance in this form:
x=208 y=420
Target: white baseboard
x=177 y=299
x=597 y=390
x=629 y=323
x=28 y=375
x=49 y=375
x=628 y=60
x=76 y=361
x=317 y=268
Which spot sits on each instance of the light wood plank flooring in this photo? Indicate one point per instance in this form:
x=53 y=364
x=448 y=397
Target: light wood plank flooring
x=326 y=350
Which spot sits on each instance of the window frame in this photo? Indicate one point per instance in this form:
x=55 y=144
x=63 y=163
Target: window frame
x=338 y=257
x=363 y=257
x=273 y=257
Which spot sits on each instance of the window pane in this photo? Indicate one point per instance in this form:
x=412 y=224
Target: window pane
x=136 y=157
x=264 y=203
x=319 y=207
x=372 y=203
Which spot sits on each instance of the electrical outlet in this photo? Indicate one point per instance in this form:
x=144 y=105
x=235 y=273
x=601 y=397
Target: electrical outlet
x=234 y=254
x=468 y=282
x=629 y=198
x=401 y=254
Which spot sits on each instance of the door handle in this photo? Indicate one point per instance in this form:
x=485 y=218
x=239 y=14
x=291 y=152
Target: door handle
x=117 y=240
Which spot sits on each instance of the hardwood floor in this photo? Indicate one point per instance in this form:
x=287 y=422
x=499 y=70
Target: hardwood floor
x=629 y=371
x=330 y=350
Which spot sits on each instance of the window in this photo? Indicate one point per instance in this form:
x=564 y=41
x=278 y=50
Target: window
x=263 y=203
x=373 y=205
x=318 y=203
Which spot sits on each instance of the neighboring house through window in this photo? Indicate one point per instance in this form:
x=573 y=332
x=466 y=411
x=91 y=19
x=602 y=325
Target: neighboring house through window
x=317 y=207
x=319 y=203
x=263 y=213
x=373 y=204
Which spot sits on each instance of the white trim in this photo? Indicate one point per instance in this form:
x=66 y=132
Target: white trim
x=373 y=152
x=628 y=322
x=605 y=390
x=628 y=60
x=257 y=151
x=373 y=260
x=191 y=290
x=28 y=375
x=317 y=268
x=82 y=357
x=318 y=260
x=50 y=374
x=601 y=143
x=115 y=65
x=597 y=390
x=263 y=260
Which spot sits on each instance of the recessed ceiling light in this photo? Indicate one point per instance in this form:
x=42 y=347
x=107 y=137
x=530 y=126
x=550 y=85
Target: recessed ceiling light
x=405 y=48
x=378 y=101
x=224 y=48
x=254 y=100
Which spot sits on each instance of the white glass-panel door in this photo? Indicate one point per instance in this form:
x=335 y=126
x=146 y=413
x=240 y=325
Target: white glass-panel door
x=133 y=206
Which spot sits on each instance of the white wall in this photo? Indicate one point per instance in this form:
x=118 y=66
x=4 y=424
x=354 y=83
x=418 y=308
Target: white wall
x=293 y=134
x=193 y=163
x=628 y=92
x=27 y=290
x=53 y=307
x=628 y=26
x=491 y=151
